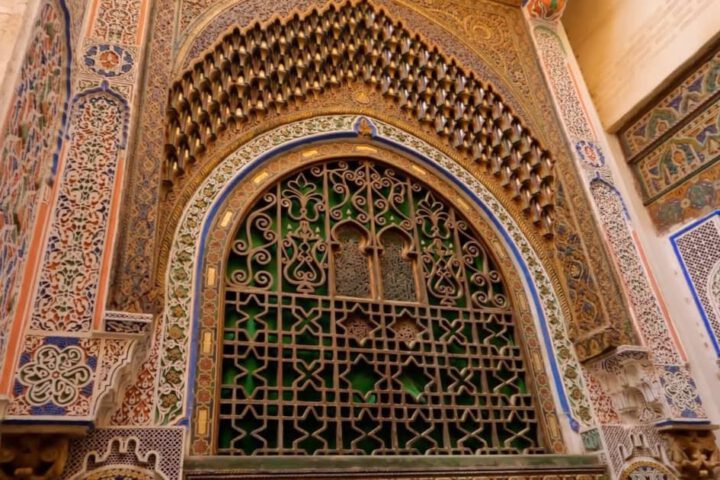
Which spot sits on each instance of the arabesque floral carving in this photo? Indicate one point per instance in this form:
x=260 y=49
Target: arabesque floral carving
x=55 y=375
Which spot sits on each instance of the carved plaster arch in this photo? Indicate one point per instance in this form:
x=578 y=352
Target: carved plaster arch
x=567 y=249
x=240 y=82
x=451 y=25
x=271 y=65
x=186 y=270
x=600 y=322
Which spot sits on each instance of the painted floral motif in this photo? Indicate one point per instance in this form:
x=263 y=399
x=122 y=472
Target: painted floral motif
x=695 y=197
x=108 y=60
x=29 y=139
x=694 y=146
x=590 y=153
x=680 y=103
x=55 y=375
x=71 y=268
x=674 y=150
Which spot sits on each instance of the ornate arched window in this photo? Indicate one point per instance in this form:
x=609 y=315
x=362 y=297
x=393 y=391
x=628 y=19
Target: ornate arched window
x=364 y=315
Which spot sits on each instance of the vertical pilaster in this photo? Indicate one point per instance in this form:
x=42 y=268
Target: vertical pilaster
x=637 y=387
x=65 y=327
x=35 y=105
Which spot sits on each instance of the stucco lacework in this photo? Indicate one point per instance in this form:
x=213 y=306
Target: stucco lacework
x=71 y=269
x=29 y=146
x=494 y=45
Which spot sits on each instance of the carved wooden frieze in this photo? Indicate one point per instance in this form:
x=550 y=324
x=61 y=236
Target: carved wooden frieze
x=671 y=146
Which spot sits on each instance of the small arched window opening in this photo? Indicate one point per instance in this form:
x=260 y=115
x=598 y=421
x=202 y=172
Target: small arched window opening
x=352 y=270
x=397 y=266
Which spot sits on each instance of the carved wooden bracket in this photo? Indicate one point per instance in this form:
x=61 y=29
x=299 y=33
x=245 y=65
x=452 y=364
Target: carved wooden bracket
x=693 y=452
x=32 y=456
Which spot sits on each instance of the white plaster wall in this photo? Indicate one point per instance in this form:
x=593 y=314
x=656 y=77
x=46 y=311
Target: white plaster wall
x=627 y=49
x=11 y=16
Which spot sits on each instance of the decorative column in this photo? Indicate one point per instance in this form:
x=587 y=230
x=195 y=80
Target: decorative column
x=72 y=356
x=635 y=388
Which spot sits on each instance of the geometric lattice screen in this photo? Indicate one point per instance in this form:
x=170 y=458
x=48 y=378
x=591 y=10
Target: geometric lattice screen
x=364 y=316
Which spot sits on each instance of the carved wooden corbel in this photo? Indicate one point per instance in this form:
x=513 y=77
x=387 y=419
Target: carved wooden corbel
x=32 y=456
x=693 y=452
